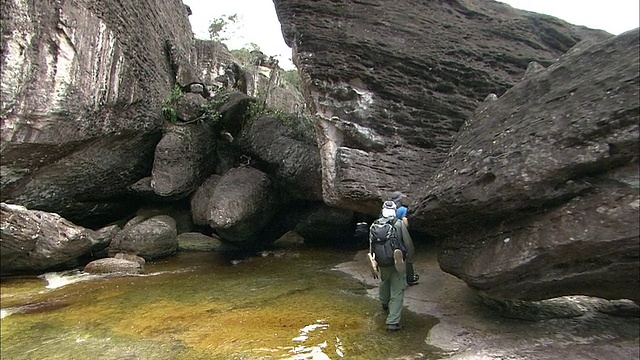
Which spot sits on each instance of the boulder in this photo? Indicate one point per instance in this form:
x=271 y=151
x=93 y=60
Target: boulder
x=293 y=163
x=194 y=241
x=237 y=205
x=34 y=241
x=201 y=198
x=325 y=225
x=148 y=238
x=538 y=197
x=131 y=257
x=183 y=159
x=114 y=266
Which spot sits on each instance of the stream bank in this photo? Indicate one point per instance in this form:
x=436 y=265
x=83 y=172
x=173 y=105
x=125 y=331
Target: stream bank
x=468 y=330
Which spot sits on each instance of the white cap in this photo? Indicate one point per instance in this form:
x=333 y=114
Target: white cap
x=388 y=213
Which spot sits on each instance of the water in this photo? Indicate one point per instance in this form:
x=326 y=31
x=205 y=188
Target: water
x=281 y=305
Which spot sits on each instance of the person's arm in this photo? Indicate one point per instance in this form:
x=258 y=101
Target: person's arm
x=372 y=259
x=402 y=213
x=408 y=241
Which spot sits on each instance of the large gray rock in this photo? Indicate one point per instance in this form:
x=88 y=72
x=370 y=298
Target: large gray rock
x=237 y=205
x=184 y=158
x=114 y=266
x=82 y=87
x=34 y=241
x=148 y=238
x=390 y=87
x=293 y=163
x=201 y=198
x=539 y=195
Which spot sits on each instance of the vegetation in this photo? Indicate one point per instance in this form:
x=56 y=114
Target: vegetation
x=218 y=27
x=211 y=111
x=292 y=77
x=245 y=54
x=169 y=107
x=300 y=126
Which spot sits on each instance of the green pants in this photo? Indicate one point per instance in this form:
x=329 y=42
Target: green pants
x=391 y=292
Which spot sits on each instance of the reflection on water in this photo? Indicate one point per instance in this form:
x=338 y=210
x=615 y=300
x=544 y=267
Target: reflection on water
x=284 y=305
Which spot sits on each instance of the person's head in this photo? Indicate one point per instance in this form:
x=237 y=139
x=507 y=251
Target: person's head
x=397 y=197
x=388 y=209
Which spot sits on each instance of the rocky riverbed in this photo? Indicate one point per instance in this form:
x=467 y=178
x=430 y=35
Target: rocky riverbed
x=470 y=329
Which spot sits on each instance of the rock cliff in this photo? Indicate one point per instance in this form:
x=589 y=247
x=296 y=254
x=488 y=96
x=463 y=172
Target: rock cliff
x=533 y=190
x=542 y=184
x=391 y=83
x=82 y=83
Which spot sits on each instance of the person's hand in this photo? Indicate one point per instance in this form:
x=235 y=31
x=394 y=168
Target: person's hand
x=374 y=265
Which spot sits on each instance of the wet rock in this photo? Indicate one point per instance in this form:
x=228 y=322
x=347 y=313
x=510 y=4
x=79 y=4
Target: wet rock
x=114 y=266
x=33 y=241
x=131 y=257
x=192 y=241
x=237 y=205
x=532 y=310
x=289 y=240
x=321 y=224
x=82 y=88
x=149 y=238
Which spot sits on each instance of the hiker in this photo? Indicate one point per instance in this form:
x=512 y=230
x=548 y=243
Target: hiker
x=402 y=213
x=392 y=273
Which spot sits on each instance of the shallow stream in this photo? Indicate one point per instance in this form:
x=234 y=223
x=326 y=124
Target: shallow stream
x=289 y=304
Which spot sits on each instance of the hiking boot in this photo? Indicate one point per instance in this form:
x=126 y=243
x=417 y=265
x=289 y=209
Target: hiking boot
x=413 y=281
x=385 y=307
x=394 y=327
x=398 y=261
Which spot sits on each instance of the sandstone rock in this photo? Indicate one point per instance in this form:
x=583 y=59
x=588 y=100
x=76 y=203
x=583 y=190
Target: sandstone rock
x=179 y=211
x=201 y=198
x=408 y=79
x=183 y=159
x=237 y=206
x=150 y=238
x=82 y=86
x=289 y=240
x=193 y=241
x=539 y=195
x=33 y=241
x=293 y=164
x=131 y=257
x=114 y=266
x=190 y=106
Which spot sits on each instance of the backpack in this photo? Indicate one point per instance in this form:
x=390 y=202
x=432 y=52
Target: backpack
x=384 y=240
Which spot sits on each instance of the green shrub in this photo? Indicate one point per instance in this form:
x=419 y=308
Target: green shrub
x=169 y=107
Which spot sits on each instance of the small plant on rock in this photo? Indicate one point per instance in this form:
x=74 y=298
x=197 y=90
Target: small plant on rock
x=169 y=107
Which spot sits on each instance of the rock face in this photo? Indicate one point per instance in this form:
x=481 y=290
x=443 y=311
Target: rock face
x=82 y=83
x=390 y=88
x=539 y=195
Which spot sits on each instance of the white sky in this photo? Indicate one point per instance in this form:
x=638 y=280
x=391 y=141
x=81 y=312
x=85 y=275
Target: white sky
x=258 y=23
